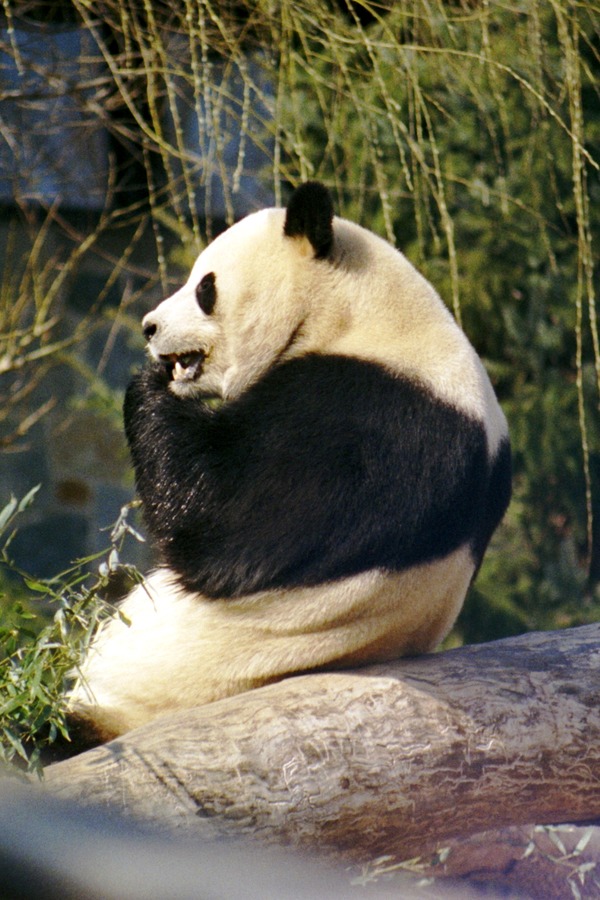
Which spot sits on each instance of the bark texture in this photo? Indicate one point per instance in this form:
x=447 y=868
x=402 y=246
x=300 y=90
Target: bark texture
x=395 y=759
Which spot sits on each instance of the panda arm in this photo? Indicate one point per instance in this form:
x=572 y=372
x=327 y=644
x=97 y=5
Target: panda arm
x=327 y=467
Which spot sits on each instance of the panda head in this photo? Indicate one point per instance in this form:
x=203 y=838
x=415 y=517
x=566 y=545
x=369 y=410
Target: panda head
x=249 y=300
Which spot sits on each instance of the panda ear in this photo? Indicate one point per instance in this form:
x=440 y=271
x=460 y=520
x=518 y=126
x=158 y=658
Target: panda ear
x=310 y=214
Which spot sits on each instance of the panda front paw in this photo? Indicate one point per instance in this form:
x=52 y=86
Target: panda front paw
x=155 y=377
x=152 y=379
x=144 y=392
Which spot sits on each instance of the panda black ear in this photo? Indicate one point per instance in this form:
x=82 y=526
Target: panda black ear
x=310 y=214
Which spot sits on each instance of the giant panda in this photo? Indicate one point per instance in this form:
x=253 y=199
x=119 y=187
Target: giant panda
x=321 y=461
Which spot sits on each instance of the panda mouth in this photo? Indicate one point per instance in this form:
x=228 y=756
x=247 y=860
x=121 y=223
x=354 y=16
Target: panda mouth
x=184 y=367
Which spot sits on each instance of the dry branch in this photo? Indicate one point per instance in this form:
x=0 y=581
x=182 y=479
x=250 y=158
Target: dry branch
x=391 y=759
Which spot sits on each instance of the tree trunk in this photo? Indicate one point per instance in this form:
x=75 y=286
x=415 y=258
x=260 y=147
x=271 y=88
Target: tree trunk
x=392 y=759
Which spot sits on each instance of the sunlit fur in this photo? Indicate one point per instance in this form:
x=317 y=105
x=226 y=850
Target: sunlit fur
x=365 y=301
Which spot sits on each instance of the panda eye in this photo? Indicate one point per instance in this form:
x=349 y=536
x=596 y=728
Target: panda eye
x=206 y=293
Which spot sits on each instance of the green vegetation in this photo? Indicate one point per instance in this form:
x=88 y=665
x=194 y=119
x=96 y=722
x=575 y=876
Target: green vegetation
x=39 y=656
x=467 y=133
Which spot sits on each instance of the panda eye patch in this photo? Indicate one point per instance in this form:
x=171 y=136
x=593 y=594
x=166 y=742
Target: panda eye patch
x=206 y=293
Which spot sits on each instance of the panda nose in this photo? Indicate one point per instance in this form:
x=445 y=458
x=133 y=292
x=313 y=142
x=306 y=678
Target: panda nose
x=149 y=328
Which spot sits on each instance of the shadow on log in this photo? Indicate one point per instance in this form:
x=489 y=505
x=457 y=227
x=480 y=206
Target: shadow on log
x=392 y=760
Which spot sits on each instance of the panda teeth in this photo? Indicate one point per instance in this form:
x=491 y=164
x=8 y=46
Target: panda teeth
x=184 y=371
x=179 y=372
x=187 y=367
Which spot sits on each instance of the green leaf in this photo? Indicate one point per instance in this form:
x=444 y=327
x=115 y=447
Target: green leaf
x=38 y=586
x=28 y=498
x=15 y=743
x=7 y=513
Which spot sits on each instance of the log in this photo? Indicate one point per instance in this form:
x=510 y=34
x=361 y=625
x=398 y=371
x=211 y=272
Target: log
x=391 y=759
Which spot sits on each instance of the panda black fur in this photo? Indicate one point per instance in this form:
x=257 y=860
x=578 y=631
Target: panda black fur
x=333 y=507
x=303 y=479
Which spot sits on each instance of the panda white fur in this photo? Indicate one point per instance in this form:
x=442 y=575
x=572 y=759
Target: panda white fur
x=333 y=507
